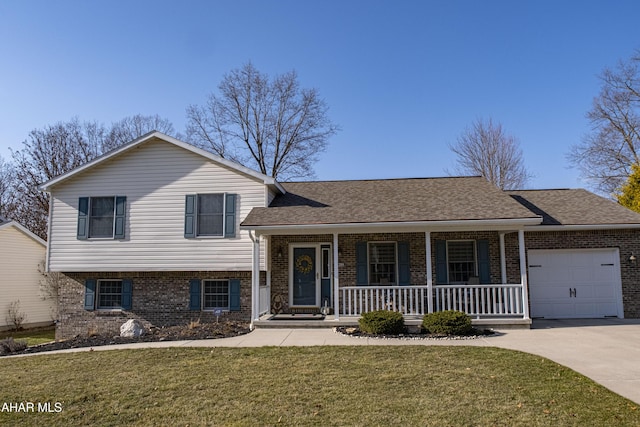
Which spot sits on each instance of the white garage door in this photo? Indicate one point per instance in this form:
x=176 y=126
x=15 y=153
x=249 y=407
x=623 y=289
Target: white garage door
x=575 y=283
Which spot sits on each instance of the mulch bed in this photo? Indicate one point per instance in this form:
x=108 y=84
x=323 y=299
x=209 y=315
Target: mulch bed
x=201 y=331
x=356 y=332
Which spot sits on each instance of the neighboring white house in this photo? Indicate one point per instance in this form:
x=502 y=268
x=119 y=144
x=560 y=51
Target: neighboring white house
x=21 y=252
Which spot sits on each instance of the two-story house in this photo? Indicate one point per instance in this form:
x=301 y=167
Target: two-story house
x=164 y=232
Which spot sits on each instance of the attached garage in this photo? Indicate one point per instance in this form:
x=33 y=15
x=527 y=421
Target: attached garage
x=575 y=283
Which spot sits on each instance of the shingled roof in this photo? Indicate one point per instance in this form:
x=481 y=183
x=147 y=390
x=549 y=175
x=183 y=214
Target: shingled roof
x=388 y=201
x=574 y=207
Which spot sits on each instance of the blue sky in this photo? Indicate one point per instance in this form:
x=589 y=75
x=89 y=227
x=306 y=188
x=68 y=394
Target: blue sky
x=402 y=78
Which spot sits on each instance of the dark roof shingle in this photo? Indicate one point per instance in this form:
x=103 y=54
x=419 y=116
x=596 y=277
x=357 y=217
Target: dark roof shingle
x=574 y=207
x=389 y=200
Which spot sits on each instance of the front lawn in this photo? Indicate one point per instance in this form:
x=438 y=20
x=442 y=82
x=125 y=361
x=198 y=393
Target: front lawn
x=31 y=336
x=355 y=386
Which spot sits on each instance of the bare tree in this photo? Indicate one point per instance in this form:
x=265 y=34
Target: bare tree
x=130 y=128
x=50 y=284
x=47 y=153
x=605 y=155
x=486 y=149
x=6 y=188
x=271 y=125
x=57 y=149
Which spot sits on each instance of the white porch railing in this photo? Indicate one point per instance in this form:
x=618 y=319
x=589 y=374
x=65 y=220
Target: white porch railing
x=265 y=306
x=475 y=300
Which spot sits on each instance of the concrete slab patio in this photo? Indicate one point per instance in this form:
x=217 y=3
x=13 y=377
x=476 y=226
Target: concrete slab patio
x=605 y=350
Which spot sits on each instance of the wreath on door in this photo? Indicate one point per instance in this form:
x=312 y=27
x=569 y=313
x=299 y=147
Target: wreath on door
x=304 y=264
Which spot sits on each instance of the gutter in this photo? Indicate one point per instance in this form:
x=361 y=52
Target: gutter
x=498 y=223
x=582 y=227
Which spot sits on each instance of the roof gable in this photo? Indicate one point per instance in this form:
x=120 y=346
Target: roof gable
x=155 y=135
x=4 y=224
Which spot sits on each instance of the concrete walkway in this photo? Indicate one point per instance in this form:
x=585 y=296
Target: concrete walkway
x=605 y=350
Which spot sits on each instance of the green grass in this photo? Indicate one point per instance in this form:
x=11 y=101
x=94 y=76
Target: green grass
x=352 y=386
x=32 y=337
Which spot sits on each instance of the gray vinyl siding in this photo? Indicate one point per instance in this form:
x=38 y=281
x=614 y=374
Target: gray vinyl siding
x=155 y=178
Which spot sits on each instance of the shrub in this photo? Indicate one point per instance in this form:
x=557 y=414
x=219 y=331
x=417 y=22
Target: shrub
x=382 y=322
x=450 y=322
x=8 y=346
x=15 y=316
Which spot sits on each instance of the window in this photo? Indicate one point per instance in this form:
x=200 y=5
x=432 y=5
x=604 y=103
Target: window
x=461 y=260
x=215 y=294
x=382 y=263
x=210 y=214
x=209 y=294
x=109 y=294
x=326 y=263
x=101 y=217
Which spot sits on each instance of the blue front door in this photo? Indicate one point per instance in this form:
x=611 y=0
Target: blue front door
x=304 y=276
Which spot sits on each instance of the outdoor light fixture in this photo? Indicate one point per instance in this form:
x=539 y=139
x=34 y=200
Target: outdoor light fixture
x=632 y=258
x=280 y=252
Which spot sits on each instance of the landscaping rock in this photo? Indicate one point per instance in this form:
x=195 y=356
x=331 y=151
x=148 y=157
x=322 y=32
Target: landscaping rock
x=132 y=328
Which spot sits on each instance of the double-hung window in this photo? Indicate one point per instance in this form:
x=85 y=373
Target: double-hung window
x=212 y=294
x=108 y=294
x=215 y=294
x=101 y=217
x=210 y=215
x=382 y=263
x=461 y=260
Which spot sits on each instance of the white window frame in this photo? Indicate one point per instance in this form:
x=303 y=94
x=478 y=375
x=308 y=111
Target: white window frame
x=113 y=219
x=396 y=273
x=204 y=286
x=99 y=292
x=475 y=258
x=197 y=216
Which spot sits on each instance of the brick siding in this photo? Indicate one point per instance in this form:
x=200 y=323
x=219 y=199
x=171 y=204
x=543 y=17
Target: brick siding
x=627 y=241
x=158 y=299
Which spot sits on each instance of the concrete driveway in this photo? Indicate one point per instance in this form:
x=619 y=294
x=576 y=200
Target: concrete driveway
x=605 y=350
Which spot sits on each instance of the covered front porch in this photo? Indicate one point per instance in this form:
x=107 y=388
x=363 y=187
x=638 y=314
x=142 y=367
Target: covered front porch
x=331 y=279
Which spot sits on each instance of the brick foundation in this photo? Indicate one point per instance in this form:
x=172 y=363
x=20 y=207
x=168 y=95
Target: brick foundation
x=158 y=299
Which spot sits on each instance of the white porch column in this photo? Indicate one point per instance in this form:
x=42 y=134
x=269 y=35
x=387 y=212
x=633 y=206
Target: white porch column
x=336 y=284
x=255 y=279
x=427 y=237
x=267 y=261
x=503 y=260
x=523 y=274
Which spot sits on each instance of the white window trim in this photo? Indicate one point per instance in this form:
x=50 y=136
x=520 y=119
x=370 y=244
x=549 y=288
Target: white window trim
x=475 y=256
x=97 y=296
x=397 y=273
x=224 y=216
x=113 y=222
x=209 y=309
